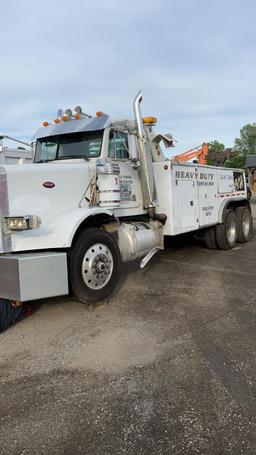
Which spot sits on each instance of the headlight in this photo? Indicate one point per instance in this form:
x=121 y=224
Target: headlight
x=22 y=223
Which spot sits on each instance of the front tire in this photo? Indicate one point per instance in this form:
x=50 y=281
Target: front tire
x=226 y=232
x=94 y=265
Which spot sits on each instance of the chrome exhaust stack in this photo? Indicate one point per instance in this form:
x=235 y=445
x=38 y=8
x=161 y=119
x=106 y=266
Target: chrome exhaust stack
x=146 y=165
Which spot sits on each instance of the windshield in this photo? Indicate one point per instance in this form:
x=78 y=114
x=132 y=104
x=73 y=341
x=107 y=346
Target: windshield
x=74 y=145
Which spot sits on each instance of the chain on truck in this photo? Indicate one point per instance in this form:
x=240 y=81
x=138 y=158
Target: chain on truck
x=100 y=192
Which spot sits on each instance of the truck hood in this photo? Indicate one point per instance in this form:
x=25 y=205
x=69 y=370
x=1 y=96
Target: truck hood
x=46 y=190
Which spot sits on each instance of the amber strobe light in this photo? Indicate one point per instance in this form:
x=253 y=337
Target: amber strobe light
x=149 y=120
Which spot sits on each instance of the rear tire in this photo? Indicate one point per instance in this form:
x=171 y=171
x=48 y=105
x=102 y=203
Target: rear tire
x=226 y=232
x=210 y=238
x=244 y=224
x=94 y=265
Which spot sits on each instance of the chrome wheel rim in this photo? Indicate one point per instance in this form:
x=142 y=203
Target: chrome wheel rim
x=97 y=266
x=246 y=224
x=231 y=231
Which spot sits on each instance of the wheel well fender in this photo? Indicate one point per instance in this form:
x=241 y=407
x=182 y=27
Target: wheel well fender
x=63 y=232
x=231 y=204
x=93 y=221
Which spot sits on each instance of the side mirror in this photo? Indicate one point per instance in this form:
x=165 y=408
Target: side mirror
x=166 y=138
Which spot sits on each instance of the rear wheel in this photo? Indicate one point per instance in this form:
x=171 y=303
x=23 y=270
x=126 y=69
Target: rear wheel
x=210 y=238
x=226 y=232
x=94 y=265
x=244 y=224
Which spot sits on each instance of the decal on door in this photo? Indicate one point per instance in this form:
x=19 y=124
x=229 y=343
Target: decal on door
x=126 y=183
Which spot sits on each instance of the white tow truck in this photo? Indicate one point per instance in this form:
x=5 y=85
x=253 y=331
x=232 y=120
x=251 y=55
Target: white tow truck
x=101 y=192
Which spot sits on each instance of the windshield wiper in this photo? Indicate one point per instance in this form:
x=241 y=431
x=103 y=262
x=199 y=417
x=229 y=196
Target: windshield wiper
x=71 y=156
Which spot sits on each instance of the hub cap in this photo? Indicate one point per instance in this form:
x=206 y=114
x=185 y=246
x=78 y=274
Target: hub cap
x=97 y=266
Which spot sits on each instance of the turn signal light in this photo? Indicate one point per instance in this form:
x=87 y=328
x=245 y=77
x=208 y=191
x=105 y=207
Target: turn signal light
x=99 y=114
x=45 y=123
x=65 y=118
x=56 y=121
x=149 y=120
x=77 y=116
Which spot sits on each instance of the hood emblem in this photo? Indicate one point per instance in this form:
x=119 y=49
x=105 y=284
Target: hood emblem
x=49 y=184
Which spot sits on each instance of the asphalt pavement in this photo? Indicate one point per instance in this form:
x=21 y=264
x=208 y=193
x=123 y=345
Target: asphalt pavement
x=167 y=366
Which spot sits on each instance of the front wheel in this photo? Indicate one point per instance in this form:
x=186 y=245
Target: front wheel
x=94 y=265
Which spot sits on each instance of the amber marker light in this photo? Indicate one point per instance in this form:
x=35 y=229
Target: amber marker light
x=56 y=121
x=77 y=116
x=45 y=123
x=149 y=120
x=99 y=114
x=65 y=118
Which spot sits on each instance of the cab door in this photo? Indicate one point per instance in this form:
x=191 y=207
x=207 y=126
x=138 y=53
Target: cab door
x=119 y=151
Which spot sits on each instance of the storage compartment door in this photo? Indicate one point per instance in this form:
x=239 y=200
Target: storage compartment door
x=185 y=208
x=208 y=202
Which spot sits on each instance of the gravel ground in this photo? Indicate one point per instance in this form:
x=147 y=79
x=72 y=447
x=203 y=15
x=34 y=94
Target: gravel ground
x=166 y=367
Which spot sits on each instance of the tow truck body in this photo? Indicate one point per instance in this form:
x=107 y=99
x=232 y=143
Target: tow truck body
x=100 y=192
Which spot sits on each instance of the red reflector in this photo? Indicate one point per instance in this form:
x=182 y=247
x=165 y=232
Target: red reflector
x=49 y=184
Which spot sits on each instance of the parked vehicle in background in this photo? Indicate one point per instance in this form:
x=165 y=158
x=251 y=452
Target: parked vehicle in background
x=101 y=192
x=9 y=154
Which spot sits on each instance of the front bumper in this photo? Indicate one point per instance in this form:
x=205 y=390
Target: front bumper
x=30 y=276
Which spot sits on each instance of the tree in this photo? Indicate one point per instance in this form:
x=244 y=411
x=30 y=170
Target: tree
x=246 y=144
x=237 y=162
x=214 y=148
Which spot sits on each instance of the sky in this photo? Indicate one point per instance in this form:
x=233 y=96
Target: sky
x=194 y=60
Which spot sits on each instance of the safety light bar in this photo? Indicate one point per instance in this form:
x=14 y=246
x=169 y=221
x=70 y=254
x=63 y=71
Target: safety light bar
x=22 y=223
x=75 y=114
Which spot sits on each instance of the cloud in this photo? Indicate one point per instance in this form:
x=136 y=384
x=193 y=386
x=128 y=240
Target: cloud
x=194 y=60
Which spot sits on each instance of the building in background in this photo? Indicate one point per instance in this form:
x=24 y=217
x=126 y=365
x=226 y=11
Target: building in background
x=9 y=154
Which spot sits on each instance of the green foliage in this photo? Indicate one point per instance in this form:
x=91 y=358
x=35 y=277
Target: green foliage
x=216 y=146
x=236 y=162
x=213 y=148
x=246 y=144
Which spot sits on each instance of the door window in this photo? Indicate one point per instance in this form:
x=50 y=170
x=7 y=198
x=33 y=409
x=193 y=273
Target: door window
x=118 y=145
